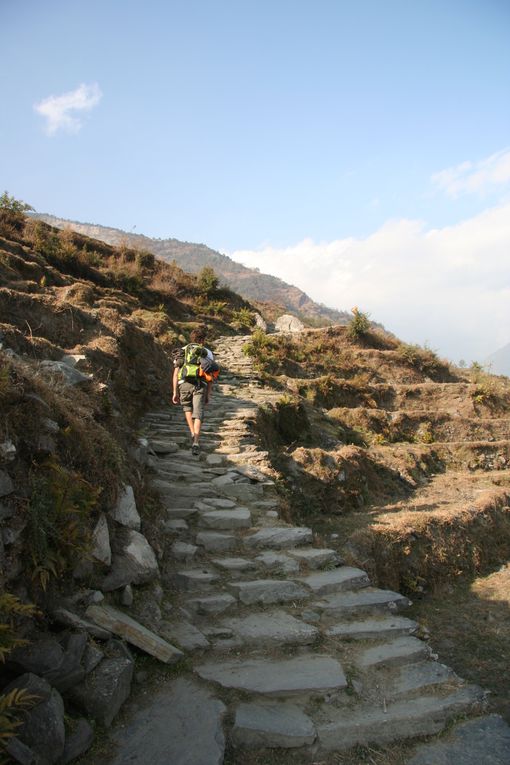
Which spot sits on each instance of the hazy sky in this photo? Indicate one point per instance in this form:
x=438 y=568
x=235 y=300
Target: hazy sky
x=360 y=150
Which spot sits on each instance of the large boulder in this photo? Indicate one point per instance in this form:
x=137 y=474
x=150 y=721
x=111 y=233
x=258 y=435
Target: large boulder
x=125 y=511
x=134 y=561
x=42 y=729
x=101 y=550
x=71 y=375
x=6 y=484
x=58 y=664
x=105 y=689
x=289 y=323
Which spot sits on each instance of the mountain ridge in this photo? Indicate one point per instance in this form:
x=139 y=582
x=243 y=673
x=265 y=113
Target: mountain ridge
x=248 y=282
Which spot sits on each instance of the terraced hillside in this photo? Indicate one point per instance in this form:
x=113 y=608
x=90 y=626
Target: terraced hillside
x=293 y=655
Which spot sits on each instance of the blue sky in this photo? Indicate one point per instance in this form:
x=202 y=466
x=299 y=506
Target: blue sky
x=292 y=135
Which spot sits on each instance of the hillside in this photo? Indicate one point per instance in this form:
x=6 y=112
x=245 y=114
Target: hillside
x=233 y=606
x=499 y=361
x=254 y=286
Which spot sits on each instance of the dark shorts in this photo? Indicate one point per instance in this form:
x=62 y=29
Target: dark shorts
x=193 y=399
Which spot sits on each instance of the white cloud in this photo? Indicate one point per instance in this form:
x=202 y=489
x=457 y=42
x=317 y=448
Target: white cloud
x=65 y=112
x=449 y=287
x=475 y=177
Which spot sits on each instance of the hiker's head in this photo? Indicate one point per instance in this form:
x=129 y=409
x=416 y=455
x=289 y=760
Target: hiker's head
x=198 y=335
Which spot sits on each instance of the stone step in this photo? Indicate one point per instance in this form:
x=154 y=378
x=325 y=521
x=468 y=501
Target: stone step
x=215 y=541
x=194 y=579
x=401 y=650
x=214 y=604
x=369 y=629
x=234 y=564
x=226 y=519
x=270 y=725
x=219 y=503
x=370 y=600
x=272 y=629
x=484 y=741
x=366 y=726
x=336 y=580
x=277 y=677
x=410 y=678
x=277 y=562
x=279 y=537
x=316 y=557
x=266 y=591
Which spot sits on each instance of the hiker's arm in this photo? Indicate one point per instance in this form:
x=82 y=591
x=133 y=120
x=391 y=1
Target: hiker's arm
x=208 y=392
x=175 y=385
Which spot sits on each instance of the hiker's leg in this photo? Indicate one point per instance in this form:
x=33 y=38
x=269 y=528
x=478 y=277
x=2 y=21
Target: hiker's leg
x=186 y=395
x=198 y=412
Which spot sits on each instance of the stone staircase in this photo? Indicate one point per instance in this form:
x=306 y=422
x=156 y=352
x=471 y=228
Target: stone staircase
x=288 y=647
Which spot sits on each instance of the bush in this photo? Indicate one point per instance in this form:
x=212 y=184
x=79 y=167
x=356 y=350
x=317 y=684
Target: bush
x=359 y=325
x=207 y=280
x=12 y=215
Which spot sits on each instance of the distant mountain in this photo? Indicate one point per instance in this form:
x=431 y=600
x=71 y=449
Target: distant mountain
x=499 y=361
x=248 y=282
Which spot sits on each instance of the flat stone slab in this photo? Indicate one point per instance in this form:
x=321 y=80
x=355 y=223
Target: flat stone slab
x=163 y=446
x=242 y=491
x=184 y=551
x=194 y=578
x=218 y=502
x=413 y=677
x=180 y=512
x=278 y=537
x=123 y=625
x=485 y=741
x=182 y=725
x=336 y=580
x=305 y=674
x=215 y=541
x=234 y=564
x=272 y=629
x=402 y=650
x=315 y=557
x=214 y=604
x=226 y=519
x=368 y=600
x=280 y=562
x=423 y=716
x=186 y=635
x=265 y=591
x=389 y=626
x=272 y=725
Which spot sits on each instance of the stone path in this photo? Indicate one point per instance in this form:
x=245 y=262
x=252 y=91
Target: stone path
x=289 y=647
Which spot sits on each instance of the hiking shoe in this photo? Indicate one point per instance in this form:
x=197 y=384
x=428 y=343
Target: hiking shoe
x=195 y=450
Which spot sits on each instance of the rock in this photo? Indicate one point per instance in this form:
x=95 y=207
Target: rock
x=390 y=626
x=126 y=596
x=101 y=550
x=21 y=753
x=78 y=741
x=120 y=624
x=6 y=484
x=70 y=670
x=272 y=628
x=278 y=562
x=42 y=729
x=91 y=658
x=288 y=323
x=315 y=557
x=279 y=537
x=226 y=519
x=214 y=460
x=265 y=591
x=194 y=579
x=216 y=502
x=369 y=600
x=213 y=604
x=401 y=650
x=185 y=634
x=214 y=541
x=73 y=359
x=422 y=716
x=423 y=675
x=484 y=740
x=7 y=450
x=71 y=376
x=183 y=551
x=245 y=492
x=69 y=619
x=280 y=677
x=163 y=446
x=105 y=689
x=337 y=580
x=133 y=562
x=125 y=511
x=269 y=725
x=234 y=564
x=163 y=732
x=260 y=323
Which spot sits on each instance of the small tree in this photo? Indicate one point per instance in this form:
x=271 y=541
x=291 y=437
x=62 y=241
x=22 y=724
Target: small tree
x=12 y=215
x=207 y=280
x=358 y=325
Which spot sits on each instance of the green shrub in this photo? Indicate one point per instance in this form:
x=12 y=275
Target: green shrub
x=359 y=325
x=207 y=281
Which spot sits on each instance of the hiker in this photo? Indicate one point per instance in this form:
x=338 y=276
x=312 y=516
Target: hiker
x=194 y=371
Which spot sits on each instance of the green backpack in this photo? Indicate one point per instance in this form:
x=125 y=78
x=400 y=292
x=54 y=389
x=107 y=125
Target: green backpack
x=190 y=368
